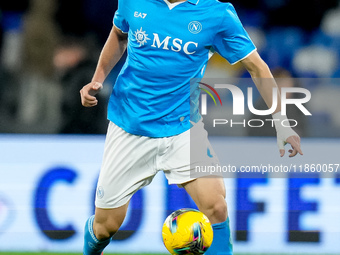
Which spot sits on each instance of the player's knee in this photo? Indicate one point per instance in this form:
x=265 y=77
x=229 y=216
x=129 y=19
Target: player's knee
x=107 y=222
x=220 y=211
x=216 y=211
x=105 y=231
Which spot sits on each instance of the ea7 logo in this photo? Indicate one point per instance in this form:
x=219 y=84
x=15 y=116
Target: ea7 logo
x=140 y=15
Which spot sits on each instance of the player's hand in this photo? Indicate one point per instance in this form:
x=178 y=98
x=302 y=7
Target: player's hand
x=294 y=141
x=88 y=92
x=286 y=134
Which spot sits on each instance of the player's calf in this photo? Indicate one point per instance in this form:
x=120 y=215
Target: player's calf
x=93 y=246
x=222 y=242
x=100 y=228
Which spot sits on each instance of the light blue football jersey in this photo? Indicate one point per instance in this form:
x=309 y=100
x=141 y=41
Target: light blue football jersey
x=168 y=45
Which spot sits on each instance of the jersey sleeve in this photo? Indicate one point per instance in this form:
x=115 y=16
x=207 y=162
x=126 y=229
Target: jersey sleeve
x=120 y=17
x=232 y=41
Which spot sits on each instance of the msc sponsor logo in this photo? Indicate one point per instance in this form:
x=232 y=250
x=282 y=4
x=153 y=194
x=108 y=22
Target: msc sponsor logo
x=141 y=36
x=177 y=44
x=167 y=43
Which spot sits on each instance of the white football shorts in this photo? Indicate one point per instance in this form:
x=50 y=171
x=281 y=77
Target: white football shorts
x=130 y=162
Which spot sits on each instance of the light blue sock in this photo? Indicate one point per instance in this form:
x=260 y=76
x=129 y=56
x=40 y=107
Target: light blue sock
x=222 y=242
x=92 y=246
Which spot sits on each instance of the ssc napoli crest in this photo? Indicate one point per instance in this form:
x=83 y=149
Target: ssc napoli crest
x=195 y=27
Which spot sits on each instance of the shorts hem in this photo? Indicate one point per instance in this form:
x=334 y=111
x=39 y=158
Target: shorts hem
x=181 y=181
x=111 y=206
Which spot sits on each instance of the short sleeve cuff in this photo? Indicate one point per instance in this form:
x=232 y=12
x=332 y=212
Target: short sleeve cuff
x=119 y=23
x=234 y=60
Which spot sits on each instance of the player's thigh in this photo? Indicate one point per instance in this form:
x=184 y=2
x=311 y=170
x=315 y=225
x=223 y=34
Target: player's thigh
x=128 y=165
x=108 y=221
x=209 y=196
x=189 y=151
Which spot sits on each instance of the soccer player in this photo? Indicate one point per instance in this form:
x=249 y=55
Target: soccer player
x=153 y=108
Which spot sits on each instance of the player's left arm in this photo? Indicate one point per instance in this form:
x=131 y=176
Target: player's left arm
x=265 y=83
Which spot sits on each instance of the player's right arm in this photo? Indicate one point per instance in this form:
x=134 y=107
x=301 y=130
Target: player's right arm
x=112 y=51
x=265 y=83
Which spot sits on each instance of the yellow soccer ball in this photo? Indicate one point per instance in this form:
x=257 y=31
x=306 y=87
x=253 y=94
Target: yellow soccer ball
x=187 y=231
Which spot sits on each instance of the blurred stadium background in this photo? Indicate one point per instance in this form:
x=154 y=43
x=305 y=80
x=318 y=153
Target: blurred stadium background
x=50 y=146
